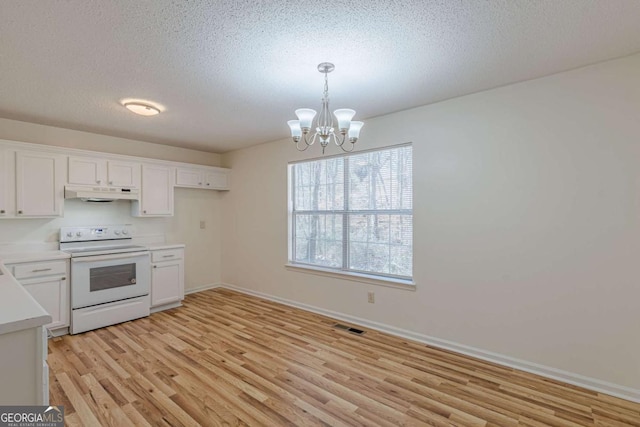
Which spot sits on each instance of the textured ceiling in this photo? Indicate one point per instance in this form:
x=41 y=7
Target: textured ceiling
x=229 y=74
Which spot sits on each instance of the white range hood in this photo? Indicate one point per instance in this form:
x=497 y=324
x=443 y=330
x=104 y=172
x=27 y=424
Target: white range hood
x=100 y=194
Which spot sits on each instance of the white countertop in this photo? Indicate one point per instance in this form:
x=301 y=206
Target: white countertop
x=18 y=309
x=16 y=257
x=160 y=246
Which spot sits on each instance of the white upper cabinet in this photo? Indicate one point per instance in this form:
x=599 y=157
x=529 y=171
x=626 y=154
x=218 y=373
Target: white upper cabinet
x=39 y=184
x=6 y=168
x=208 y=178
x=217 y=180
x=186 y=177
x=123 y=174
x=103 y=172
x=156 y=192
x=87 y=171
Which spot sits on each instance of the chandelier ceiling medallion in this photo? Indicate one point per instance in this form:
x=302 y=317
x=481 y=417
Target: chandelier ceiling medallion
x=349 y=130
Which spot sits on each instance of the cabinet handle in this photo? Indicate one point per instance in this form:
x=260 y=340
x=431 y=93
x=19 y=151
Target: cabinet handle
x=40 y=270
x=167 y=256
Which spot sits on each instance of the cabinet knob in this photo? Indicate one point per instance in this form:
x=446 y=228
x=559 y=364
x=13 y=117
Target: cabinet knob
x=98 y=181
x=208 y=183
x=1 y=211
x=155 y=266
x=110 y=182
x=199 y=183
x=144 y=211
x=63 y=278
x=19 y=212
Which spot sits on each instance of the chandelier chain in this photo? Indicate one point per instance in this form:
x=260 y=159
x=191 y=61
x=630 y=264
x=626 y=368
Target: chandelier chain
x=326 y=84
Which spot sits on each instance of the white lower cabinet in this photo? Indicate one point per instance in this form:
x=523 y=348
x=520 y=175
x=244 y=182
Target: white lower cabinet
x=167 y=278
x=47 y=282
x=24 y=369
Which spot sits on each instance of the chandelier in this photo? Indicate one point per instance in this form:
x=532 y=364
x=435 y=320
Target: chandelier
x=348 y=130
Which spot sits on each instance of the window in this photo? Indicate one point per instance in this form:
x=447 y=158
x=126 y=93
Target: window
x=354 y=213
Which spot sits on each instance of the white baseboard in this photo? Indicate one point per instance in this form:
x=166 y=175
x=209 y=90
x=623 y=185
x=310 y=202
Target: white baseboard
x=202 y=288
x=594 y=384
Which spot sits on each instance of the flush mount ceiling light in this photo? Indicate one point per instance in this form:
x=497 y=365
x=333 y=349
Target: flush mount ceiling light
x=142 y=108
x=325 y=128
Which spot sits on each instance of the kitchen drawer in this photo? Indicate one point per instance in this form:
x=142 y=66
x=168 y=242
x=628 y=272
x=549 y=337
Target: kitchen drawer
x=39 y=269
x=167 y=255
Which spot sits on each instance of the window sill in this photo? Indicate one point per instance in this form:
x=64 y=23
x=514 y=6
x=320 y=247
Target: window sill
x=408 y=285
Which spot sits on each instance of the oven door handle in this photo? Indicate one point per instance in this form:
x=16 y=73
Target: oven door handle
x=94 y=258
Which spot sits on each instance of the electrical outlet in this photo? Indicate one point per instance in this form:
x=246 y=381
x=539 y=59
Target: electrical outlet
x=203 y=225
x=371 y=297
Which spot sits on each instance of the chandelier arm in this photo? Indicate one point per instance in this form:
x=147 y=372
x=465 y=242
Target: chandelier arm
x=301 y=149
x=305 y=139
x=313 y=138
x=353 y=145
x=344 y=139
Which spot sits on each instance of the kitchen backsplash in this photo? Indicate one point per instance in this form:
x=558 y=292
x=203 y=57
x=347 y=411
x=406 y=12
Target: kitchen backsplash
x=43 y=234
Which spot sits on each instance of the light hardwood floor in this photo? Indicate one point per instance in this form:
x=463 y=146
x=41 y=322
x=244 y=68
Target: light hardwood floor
x=226 y=358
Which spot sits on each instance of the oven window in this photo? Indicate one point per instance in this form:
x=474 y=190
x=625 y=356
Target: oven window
x=116 y=276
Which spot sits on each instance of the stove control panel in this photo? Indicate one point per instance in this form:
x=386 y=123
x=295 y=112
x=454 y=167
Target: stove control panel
x=98 y=232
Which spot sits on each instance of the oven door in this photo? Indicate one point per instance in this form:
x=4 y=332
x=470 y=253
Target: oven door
x=100 y=279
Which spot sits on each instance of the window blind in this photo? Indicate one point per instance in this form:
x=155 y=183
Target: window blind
x=354 y=212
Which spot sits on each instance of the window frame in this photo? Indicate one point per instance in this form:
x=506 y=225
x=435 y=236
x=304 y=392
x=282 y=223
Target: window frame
x=385 y=279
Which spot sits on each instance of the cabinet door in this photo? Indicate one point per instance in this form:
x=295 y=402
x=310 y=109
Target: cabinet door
x=156 y=191
x=188 y=177
x=123 y=174
x=167 y=283
x=217 y=180
x=51 y=293
x=39 y=184
x=87 y=171
x=5 y=178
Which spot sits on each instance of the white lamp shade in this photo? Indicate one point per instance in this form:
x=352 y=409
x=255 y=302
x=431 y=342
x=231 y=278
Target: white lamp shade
x=344 y=116
x=305 y=116
x=354 y=129
x=295 y=128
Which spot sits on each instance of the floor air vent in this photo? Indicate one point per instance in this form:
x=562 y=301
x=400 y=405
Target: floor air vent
x=348 y=329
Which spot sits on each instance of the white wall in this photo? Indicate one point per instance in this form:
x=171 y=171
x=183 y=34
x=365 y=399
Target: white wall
x=527 y=223
x=203 y=253
x=15 y=130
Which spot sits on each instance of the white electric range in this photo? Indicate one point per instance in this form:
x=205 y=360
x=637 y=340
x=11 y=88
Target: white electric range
x=110 y=276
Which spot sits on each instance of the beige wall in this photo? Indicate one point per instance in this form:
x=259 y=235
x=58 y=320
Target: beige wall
x=527 y=223
x=203 y=251
x=14 y=130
